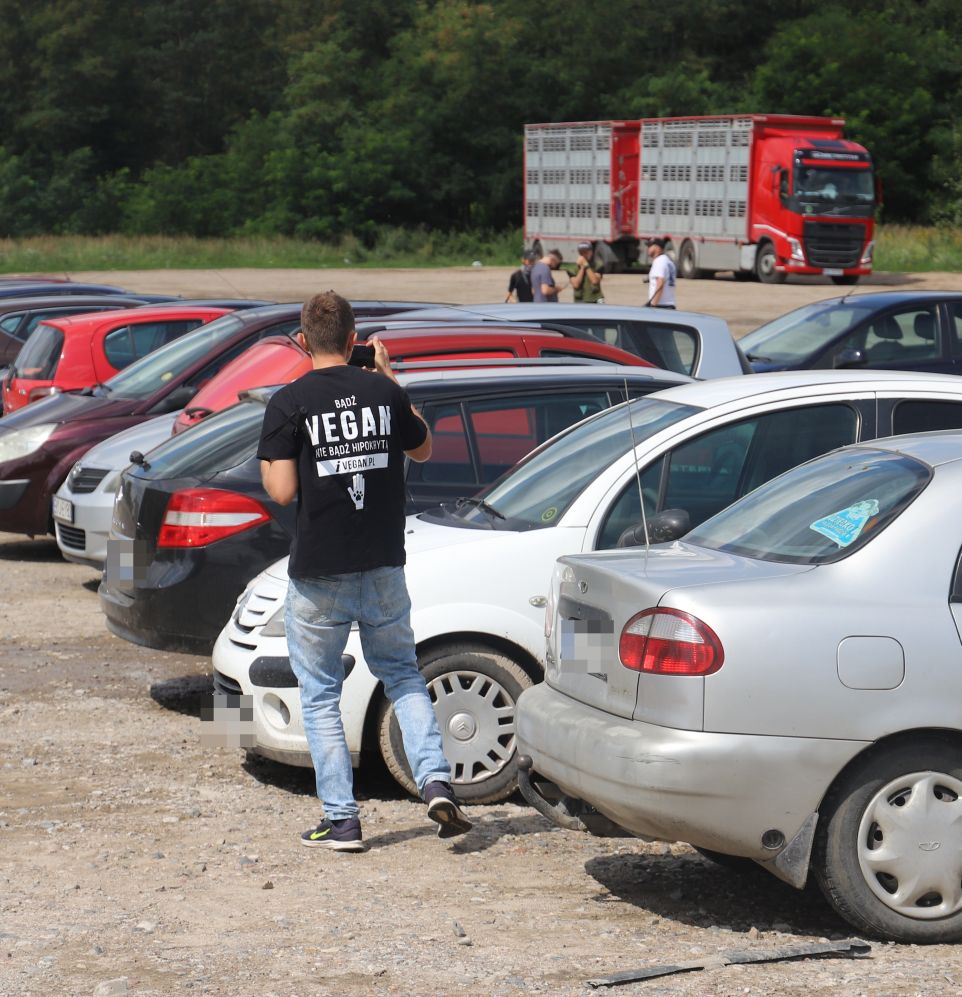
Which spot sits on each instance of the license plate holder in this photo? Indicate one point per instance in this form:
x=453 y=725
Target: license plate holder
x=62 y=510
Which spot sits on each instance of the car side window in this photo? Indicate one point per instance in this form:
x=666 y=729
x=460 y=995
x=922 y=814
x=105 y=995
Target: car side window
x=925 y=417
x=451 y=455
x=10 y=323
x=709 y=472
x=131 y=342
x=499 y=430
x=906 y=336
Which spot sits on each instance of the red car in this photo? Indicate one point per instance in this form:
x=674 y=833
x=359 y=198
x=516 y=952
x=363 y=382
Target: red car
x=80 y=351
x=280 y=359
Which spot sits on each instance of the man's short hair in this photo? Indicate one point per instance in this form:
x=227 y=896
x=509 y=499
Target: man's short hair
x=327 y=321
x=660 y=243
x=556 y=253
x=529 y=256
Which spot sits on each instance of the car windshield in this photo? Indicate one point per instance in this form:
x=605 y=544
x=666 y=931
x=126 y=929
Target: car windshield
x=832 y=184
x=218 y=443
x=793 y=338
x=147 y=376
x=819 y=512
x=538 y=491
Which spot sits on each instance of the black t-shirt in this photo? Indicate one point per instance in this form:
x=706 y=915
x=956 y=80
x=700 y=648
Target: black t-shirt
x=348 y=429
x=520 y=284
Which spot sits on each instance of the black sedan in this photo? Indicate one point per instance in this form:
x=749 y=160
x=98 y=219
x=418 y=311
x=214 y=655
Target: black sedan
x=193 y=524
x=889 y=330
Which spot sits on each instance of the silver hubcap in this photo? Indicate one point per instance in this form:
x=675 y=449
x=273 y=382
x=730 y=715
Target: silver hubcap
x=910 y=845
x=476 y=717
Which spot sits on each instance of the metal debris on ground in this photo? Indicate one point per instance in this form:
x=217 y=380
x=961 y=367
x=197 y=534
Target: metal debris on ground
x=848 y=947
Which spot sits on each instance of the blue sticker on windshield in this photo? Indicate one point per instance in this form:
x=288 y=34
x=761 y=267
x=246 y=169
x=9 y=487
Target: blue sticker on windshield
x=845 y=526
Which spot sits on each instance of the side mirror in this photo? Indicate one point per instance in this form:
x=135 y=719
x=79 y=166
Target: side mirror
x=849 y=357
x=175 y=401
x=663 y=527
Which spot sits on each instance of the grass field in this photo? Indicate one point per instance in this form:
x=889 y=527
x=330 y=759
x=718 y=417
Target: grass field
x=898 y=248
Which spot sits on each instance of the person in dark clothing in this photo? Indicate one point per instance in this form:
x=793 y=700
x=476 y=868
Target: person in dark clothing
x=519 y=284
x=336 y=439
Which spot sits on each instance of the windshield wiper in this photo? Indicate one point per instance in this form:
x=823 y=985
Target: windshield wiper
x=480 y=504
x=756 y=358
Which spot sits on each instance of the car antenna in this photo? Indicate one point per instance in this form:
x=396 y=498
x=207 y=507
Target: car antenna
x=634 y=457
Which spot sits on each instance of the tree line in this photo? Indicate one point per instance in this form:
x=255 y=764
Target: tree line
x=313 y=118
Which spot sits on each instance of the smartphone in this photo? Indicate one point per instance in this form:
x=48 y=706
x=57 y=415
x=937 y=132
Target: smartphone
x=362 y=355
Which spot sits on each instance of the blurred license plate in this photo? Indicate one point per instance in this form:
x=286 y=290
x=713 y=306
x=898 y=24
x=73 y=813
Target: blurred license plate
x=832 y=273
x=62 y=509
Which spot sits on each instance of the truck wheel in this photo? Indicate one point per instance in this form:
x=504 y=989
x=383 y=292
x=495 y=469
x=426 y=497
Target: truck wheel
x=845 y=279
x=475 y=691
x=888 y=853
x=536 y=246
x=765 y=265
x=686 y=263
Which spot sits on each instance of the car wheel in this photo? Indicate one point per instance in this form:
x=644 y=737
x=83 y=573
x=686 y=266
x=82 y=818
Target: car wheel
x=765 y=265
x=845 y=279
x=475 y=692
x=888 y=854
x=686 y=263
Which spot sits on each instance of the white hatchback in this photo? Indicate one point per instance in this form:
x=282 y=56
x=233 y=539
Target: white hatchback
x=479 y=573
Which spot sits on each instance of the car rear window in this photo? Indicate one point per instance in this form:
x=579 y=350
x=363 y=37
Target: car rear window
x=819 y=512
x=38 y=359
x=220 y=442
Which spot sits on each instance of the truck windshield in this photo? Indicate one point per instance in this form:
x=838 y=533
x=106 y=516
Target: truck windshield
x=833 y=189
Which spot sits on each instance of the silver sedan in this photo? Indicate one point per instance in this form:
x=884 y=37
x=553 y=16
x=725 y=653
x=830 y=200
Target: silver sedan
x=783 y=685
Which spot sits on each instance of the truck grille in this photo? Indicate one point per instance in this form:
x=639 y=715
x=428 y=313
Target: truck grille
x=829 y=244
x=86 y=479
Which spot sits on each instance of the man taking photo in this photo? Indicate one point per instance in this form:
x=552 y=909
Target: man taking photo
x=335 y=439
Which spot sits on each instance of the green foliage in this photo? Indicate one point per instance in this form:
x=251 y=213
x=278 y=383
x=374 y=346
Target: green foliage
x=310 y=119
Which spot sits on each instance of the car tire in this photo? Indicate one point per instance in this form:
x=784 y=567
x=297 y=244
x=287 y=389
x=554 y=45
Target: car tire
x=903 y=797
x=765 y=265
x=536 y=246
x=475 y=691
x=687 y=267
x=845 y=279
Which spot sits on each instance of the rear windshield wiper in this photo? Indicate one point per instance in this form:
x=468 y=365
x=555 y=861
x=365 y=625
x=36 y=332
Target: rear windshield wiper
x=482 y=505
x=756 y=358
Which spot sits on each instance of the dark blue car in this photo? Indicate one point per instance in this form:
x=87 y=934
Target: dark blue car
x=889 y=330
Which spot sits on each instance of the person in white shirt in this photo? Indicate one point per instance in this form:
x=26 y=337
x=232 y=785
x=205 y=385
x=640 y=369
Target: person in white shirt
x=661 y=276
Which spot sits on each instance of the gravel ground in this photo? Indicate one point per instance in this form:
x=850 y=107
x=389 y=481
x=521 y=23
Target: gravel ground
x=134 y=860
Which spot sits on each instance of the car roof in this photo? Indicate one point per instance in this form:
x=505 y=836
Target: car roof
x=941 y=447
x=172 y=310
x=722 y=390
x=66 y=301
x=537 y=374
x=882 y=299
x=536 y=311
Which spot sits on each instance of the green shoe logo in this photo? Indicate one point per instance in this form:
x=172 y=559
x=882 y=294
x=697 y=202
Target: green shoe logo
x=316 y=835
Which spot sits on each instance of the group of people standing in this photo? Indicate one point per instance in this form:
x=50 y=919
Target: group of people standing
x=535 y=278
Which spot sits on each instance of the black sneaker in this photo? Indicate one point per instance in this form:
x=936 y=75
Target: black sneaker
x=443 y=808
x=338 y=835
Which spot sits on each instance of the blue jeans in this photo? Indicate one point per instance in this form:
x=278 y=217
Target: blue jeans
x=318 y=616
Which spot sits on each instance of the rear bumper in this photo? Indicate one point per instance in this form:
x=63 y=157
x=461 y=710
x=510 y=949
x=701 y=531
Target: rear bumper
x=717 y=791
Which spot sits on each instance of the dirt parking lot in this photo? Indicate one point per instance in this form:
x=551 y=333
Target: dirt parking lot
x=134 y=860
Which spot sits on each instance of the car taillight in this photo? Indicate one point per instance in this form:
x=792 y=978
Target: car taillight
x=196 y=517
x=670 y=642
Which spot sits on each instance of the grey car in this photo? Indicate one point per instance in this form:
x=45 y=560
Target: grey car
x=783 y=684
x=684 y=342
